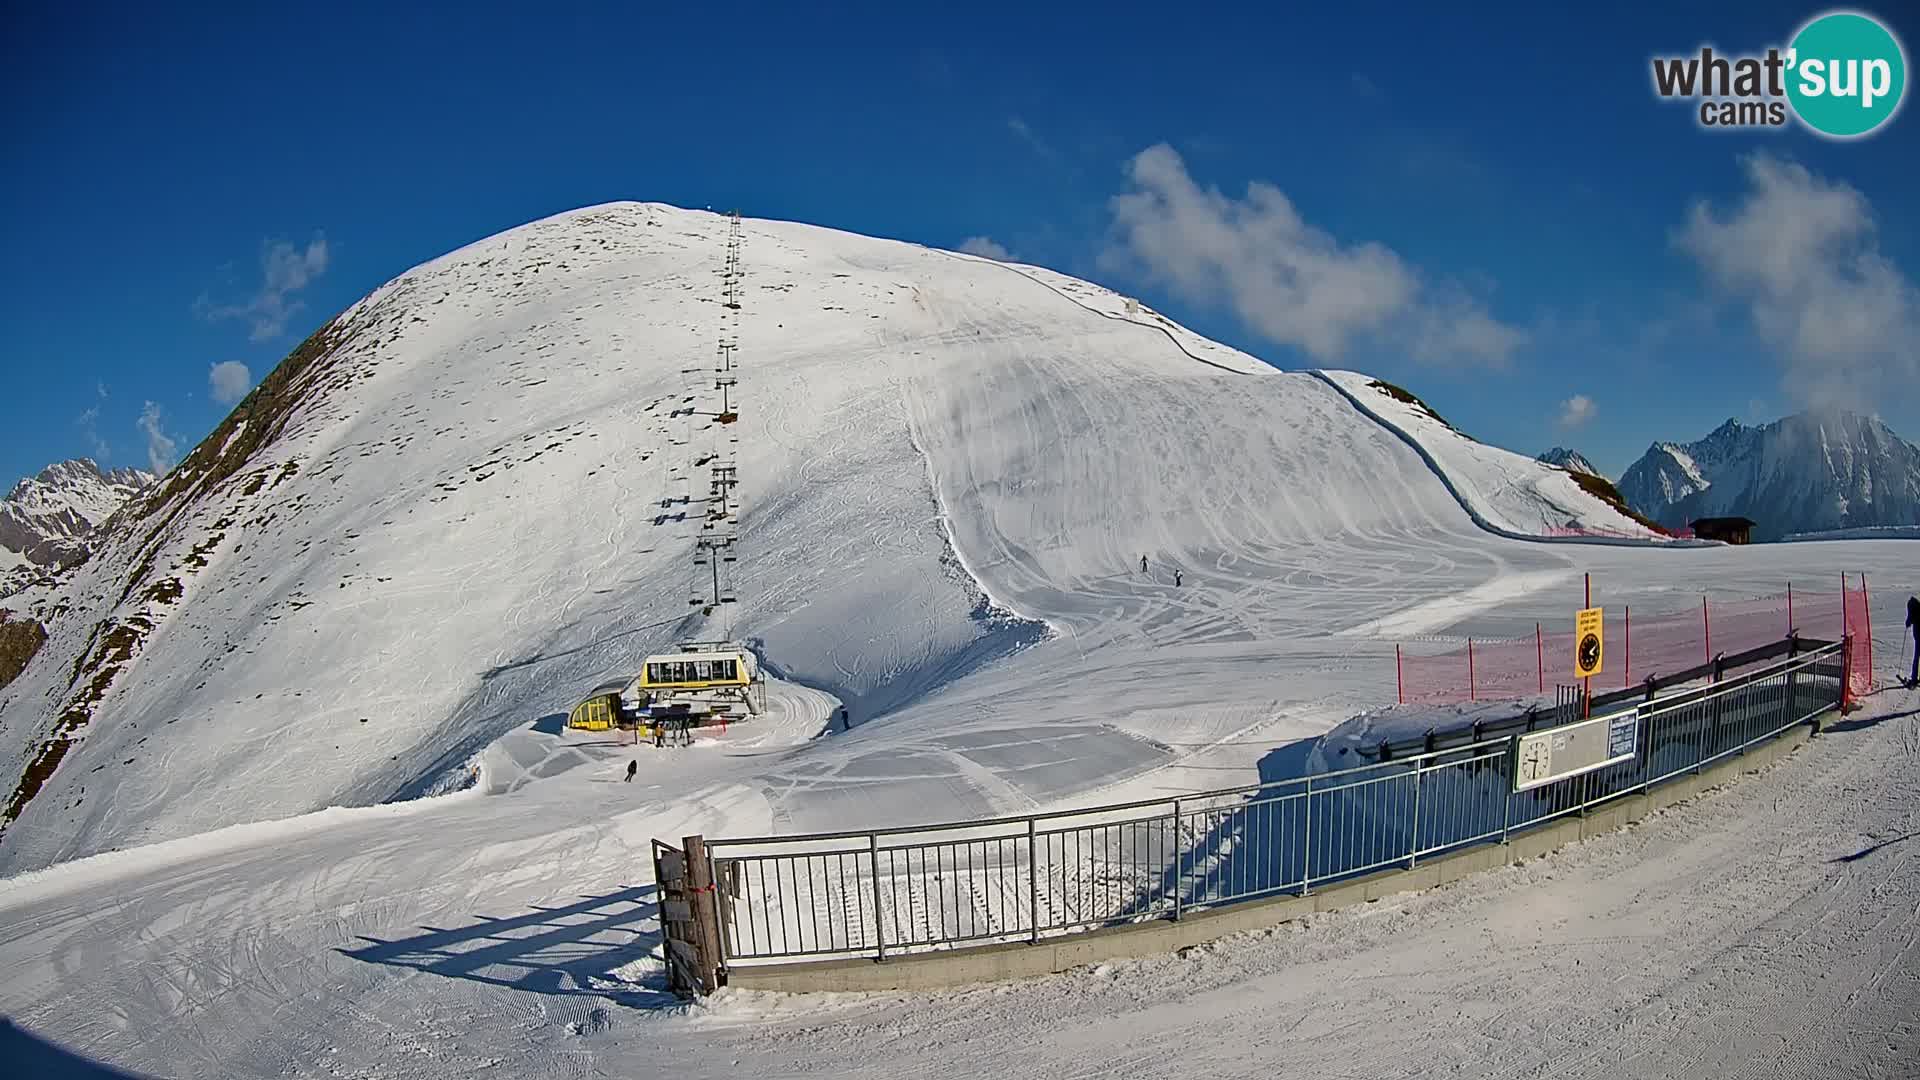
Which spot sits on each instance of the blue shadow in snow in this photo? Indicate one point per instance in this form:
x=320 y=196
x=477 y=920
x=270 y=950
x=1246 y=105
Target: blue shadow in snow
x=570 y=950
x=36 y=1057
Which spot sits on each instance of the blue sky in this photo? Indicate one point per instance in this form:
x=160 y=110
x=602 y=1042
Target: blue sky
x=1493 y=212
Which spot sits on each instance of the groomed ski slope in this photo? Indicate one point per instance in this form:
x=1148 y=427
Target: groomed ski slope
x=478 y=507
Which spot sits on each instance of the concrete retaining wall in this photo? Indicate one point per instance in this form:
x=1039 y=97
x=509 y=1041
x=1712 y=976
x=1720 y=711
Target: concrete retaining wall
x=994 y=963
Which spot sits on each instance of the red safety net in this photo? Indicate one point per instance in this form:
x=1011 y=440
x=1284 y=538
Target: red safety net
x=1860 y=625
x=1639 y=644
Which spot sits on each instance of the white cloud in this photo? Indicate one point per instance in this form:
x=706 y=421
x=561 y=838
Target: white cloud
x=1027 y=135
x=1801 y=254
x=285 y=269
x=229 y=381
x=1576 y=411
x=161 y=448
x=89 y=423
x=1289 y=281
x=985 y=247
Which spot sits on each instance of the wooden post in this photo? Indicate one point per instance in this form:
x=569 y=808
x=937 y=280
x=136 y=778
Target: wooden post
x=1628 y=680
x=1472 y=694
x=706 y=918
x=1399 y=675
x=1789 y=607
x=1707 y=626
x=1540 y=656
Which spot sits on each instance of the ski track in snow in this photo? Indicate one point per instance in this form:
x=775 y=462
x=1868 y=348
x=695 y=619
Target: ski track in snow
x=937 y=454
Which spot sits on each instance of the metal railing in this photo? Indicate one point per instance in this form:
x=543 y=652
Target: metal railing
x=890 y=891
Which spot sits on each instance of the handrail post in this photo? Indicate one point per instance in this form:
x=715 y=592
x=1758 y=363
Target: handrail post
x=1179 y=862
x=879 y=924
x=1506 y=796
x=1306 y=845
x=1033 y=885
x=1413 y=848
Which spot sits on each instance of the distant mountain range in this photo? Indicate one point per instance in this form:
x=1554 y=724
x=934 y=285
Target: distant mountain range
x=1811 y=472
x=1570 y=460
x=48 y=521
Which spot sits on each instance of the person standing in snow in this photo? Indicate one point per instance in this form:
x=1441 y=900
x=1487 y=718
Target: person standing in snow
x=1176 y=579
x=632 y=767
x=844 y=726
x=1143 y=564
x=1913 y=627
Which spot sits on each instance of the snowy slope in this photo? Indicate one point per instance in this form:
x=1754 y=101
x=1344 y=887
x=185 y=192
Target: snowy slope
x=950 y=470
x=1806 y=473
x=518 y=936
x=1509 y=492
x=442 y=518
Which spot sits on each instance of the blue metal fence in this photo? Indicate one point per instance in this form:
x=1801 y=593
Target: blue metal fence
x=891 y=891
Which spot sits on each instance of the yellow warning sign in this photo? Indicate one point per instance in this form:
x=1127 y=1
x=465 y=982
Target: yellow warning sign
x=1589 y=638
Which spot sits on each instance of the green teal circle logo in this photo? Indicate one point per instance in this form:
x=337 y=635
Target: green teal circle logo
x=1846 y=74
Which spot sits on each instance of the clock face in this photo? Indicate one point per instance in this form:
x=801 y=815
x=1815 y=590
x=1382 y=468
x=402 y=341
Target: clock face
x=1589 y=652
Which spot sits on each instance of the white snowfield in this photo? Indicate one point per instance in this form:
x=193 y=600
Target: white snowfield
x=950 y=471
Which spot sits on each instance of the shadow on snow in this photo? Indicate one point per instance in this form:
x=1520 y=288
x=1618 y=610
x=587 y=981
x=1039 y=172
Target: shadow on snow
x=578 y=949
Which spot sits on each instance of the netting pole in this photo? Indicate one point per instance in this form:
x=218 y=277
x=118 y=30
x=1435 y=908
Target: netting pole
x=1629 y=671
x=1540 y=656
x=1789 y=609
x=1846 y=652
x=1866 y=608
x=1472 y=694
x=1399 y=675
x=1706 y=625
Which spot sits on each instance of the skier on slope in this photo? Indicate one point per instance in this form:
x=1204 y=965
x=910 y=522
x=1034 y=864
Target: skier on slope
x=1176 y=579
x=632 y=767
x=1913 y=627
x=1143 y=564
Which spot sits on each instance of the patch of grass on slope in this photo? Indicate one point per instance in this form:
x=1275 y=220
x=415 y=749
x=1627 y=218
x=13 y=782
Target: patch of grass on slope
x=19 y=640
x=1406 y=397
x=1601 y=488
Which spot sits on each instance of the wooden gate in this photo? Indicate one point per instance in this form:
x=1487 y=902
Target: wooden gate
x=689 y=919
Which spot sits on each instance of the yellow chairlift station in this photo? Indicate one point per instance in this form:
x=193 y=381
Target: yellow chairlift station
x=600 y=710
x=705 y=680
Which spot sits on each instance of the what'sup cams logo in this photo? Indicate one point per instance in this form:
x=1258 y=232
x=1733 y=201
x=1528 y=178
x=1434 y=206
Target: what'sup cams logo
x=1843 y=75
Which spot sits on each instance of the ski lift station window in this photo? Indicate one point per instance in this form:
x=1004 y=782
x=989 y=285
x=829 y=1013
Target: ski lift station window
x=706 y=671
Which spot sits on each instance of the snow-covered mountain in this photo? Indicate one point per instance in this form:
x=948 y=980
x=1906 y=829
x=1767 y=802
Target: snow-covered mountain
x=1570 y=460
x=1810 y=472
x=477 y=492
x=48 y=520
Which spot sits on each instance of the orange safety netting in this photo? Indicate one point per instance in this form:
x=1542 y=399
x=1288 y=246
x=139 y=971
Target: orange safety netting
x=1860 y=657
x=1638 y=645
